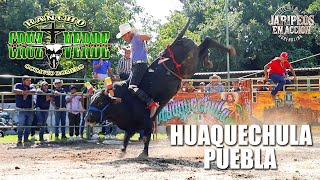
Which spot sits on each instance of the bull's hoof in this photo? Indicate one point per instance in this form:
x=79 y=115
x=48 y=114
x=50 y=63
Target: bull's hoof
x=123 y=152
x=143 y=155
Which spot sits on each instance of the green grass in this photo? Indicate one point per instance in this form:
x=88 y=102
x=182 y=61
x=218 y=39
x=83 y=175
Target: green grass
x=14 y=138
x=9 y=139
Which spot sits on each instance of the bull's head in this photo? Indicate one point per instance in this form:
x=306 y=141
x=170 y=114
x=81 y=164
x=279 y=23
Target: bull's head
x=100 y=108
x=53 y=53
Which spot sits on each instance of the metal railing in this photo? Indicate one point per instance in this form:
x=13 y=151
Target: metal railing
x=11 y=111
x=302 y=84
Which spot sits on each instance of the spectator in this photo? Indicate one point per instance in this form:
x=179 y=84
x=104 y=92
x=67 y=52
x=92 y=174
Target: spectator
x=188 y=87
x=33 y=126
x=42 y=103
x=74 y=108
x=124 y=65
x=24 y=103
x=110 y=131
x=202 y=87
x=268 y=86
x=260 y=86
x=235 y=87
x=277 y=69
x=215 y=86
x=101 y=69
x=59 y=104
x=84 y=100
x=245 y=85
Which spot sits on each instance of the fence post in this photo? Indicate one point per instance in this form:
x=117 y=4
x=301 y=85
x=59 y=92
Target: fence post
x=2 y=101
x=308 y=84
x=88 y=133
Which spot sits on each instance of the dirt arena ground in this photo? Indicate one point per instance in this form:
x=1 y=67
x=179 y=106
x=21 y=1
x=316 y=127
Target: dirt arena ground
x=97 y=161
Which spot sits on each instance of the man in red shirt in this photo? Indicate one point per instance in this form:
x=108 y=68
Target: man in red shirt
x=277 y=69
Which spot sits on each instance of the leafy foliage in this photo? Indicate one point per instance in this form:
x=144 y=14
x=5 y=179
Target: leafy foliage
x=249 y=30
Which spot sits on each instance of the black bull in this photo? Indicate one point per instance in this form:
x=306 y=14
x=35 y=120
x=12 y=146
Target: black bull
x=161 y=83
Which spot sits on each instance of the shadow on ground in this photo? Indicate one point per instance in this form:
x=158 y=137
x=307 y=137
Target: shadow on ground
x=159 y=164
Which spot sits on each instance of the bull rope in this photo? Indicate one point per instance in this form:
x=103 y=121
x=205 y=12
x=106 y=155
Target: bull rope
x=171 y=71
x=290 y=63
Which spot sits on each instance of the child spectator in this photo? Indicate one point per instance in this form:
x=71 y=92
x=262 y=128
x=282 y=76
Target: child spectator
x=202 y=87
x=73 y=102
x=187 y=87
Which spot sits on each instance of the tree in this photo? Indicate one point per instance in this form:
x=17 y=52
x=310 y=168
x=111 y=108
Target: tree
x=250 y=32
x=100 y=15
x=167 y=33
x=12 y=17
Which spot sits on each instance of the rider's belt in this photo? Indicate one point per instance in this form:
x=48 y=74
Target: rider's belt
x=138 y=61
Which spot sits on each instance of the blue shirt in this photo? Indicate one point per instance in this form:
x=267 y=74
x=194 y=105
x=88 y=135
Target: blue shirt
x=41 y=101
x=138 y=49
x=20 y=102
x=217 y=88
x=56 y=99
x=103 y=68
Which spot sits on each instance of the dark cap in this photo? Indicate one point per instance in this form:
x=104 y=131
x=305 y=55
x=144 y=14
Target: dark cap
x=71 y=87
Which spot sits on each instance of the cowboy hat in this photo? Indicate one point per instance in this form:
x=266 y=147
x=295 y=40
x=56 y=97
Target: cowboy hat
x=124 y=29
x=57 y=81
x=25 y=77
x=43 y=83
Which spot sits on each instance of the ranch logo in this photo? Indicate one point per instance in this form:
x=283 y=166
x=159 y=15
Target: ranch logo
x=76 y=45
x=290 y=23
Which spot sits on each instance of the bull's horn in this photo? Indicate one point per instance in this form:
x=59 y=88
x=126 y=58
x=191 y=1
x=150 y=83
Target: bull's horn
x=180 y=35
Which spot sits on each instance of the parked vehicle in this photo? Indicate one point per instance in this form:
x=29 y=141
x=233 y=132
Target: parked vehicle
x=1 y=133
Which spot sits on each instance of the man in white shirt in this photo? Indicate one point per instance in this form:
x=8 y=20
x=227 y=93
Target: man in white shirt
x=74 y=107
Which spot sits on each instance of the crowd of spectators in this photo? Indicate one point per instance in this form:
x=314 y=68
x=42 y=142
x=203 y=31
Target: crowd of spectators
x=70 y=101
x=215 y=85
